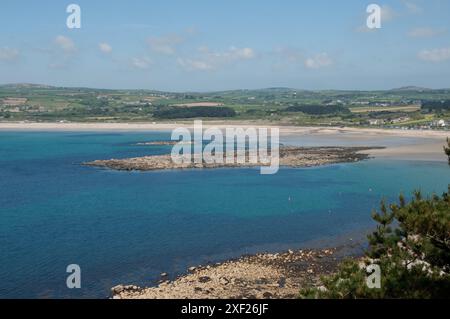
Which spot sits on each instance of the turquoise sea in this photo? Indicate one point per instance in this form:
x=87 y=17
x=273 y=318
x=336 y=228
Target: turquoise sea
x=128 y=227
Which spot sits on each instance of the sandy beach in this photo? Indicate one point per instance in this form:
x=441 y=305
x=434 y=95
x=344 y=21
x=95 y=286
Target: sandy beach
x=284 y=129
x=420 y=145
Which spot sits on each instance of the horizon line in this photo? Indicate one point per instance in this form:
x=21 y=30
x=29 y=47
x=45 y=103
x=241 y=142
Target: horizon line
x=405 y=88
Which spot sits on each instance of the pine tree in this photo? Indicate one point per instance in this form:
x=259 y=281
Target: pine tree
x=447 y=150
x=411 y=244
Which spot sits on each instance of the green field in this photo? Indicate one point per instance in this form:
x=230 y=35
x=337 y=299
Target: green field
x=402 y=107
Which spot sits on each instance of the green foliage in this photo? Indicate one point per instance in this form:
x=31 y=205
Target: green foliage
x=283 y=105
x=194 y=112
x=436 y=105
x=447 y=150
x=412 y=247
x=318 y=109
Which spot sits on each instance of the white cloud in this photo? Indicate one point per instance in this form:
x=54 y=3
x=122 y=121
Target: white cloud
x=141 y=62
x=292 y=55
x=318 y=61
x=412 y=7
x=8 y=54
x=387 y=13
x=194 y=65
x=105 y=47
x=244 y=53
x=435 y=55
x=166 y=44
x=65 y=44
x=210 y=60
x=424 y=32
x=230 y=55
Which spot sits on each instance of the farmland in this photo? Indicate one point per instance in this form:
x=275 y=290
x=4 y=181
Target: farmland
x=400 y=107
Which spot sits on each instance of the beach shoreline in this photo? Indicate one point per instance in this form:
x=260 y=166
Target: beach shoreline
x=259 y=276
x=427 y=144
x=155 y=126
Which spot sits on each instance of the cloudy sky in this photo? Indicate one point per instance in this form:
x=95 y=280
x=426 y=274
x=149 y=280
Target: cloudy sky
x=205 y=45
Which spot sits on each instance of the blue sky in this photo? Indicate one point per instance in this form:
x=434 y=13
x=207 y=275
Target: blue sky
x=201 y=45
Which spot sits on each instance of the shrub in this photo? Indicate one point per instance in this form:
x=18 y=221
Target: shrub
x=193 y=112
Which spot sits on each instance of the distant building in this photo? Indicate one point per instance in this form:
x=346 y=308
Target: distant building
x=376 y=122
x=360 y=103
x=441 y=123
x=400 y=119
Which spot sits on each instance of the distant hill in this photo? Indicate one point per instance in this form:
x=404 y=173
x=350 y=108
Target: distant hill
x=411 y=88
x=26 y=86
x=269 y=90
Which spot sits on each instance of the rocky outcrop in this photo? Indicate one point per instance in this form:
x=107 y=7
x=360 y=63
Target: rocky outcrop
x=162 y=143
x=261 y=276
x=289 y=156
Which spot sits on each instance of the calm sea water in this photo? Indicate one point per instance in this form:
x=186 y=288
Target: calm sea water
x=128 y=227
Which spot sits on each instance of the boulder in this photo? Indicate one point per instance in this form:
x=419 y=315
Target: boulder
x=117 y=289
x=204 y=279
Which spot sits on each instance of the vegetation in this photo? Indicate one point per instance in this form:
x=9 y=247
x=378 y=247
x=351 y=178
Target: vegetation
x=392 y=108
x=411 y=245
x=194 y=112
x=318 y=109
x=436 y=105
x=447 y=150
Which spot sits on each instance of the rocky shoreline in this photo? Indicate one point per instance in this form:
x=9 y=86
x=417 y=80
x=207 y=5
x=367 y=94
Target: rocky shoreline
x=162 y=143
x=260 y=276
x=289 y=157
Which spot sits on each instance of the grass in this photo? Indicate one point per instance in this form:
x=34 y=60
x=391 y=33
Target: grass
x=370 y=109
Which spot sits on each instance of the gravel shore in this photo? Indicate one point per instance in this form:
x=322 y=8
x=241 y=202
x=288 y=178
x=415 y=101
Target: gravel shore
x=260 y=276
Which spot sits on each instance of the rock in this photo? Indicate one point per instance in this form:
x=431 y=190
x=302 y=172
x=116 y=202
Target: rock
x=310 y=271
x=290 y=252
x=204 y=279
x=117 y=289
x=281 y=282
x=262 y=281
x=267 y=295
x=192 y=269
x=164 y=274
x=224 y=281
